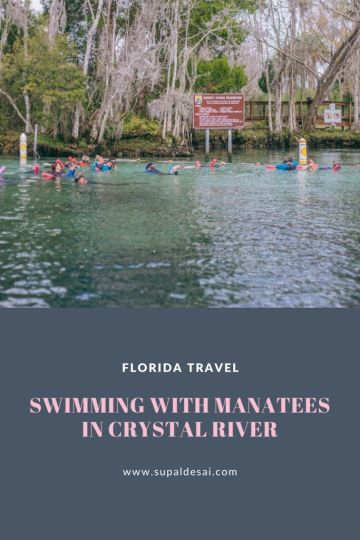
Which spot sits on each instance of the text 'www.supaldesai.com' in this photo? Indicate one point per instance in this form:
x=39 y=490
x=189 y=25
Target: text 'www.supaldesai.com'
x=181 y=472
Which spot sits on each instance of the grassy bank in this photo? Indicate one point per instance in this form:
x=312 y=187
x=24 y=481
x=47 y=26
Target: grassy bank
x=125 y=147
x=150 y=144
x=261 y=138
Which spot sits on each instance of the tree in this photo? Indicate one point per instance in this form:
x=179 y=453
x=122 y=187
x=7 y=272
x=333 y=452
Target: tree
x=328 y=78
x=49 y=76
x=216 y=75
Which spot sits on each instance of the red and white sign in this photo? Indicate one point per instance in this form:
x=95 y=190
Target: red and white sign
x=219 y=111
x=332 y=115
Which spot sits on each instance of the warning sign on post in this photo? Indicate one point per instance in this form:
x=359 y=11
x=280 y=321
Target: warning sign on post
x=219 y=111
x=332 y=115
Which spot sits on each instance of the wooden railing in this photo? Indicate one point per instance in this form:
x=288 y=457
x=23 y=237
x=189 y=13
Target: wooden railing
x=257 y=111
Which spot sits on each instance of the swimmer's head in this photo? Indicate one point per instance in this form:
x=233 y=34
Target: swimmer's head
x=336 y=166
x=81 y=180
x=149 y=166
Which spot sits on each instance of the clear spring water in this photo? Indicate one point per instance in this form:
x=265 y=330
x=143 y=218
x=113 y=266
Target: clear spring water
x=238 y=237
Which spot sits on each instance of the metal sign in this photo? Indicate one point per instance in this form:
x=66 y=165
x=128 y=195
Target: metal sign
x=219 y=111
x=332 y=115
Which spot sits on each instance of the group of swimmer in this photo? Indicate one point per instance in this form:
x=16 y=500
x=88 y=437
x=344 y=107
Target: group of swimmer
x=70 y=169
x=73 y=168
x=174 y=169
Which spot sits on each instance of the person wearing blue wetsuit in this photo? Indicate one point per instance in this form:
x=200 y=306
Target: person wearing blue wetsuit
x=72 y=170
x=151 y=169
x=289 y=164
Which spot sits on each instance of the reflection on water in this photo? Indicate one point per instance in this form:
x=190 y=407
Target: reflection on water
x=239 y=237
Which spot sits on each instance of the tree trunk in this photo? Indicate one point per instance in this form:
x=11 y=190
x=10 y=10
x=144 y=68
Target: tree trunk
x=292 y=105
x=278 y=109
x=356 y=91
x=26 y=55
x=27 y=114
x=16 y=109
x=270 y=120
x=89 y=45
x=327 y=79
x=356 y=123
x=76 y=124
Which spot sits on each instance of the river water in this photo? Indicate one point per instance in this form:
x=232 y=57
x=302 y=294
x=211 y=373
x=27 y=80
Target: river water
x=236 y=237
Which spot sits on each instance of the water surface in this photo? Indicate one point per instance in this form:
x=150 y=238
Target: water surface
x=238 y=237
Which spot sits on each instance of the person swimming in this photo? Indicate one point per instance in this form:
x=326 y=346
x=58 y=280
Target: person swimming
x=217 y=164
x=214 y=164
x=336 y=166
x=175 y=170
x=80 y=179
x=289 y=164
x=85 y=161
x=151 y=169
x=101 y=165
x=56 y=169
x=72 y=170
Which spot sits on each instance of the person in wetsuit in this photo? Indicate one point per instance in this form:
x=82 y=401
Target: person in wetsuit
x=151 y=169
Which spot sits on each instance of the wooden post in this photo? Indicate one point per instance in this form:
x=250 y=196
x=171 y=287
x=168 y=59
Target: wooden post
x=207 y=145
x=350 y=115
x=230 y=146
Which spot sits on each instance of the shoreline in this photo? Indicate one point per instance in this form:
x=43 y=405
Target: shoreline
x=138 y=147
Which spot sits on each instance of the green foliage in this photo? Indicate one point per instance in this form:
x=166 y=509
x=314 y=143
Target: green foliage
x=49 y=75
x=204 y=11
x=217 y=76
x=139 y=126
x=262 y=81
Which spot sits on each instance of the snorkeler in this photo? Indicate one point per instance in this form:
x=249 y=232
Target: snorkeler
x=80 y=179
x=289 y=164
x=151 y=169
x=85 y=161
x=72 y=170
x=57 y=169
x=216 y=164
x=336 y=166
x=175 y=169
x=71 y=161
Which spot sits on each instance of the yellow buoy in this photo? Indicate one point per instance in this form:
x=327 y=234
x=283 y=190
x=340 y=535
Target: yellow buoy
x=303 y=155
x=23 y=149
